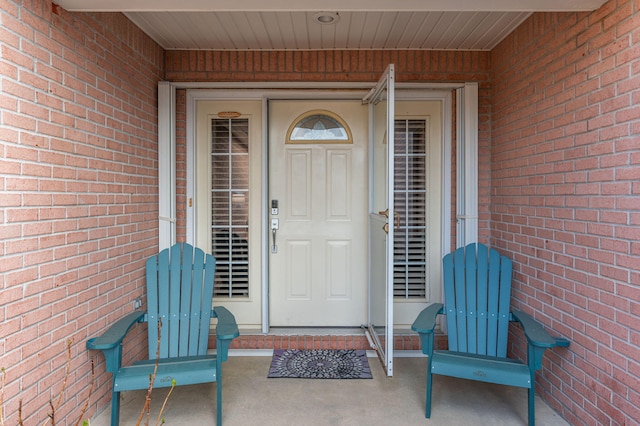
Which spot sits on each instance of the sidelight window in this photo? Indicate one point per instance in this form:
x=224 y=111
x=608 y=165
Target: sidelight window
x=410 y=195
x=230 y=205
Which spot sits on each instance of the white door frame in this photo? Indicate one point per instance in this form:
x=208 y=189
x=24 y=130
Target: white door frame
x=297 y=90
x=166 y=165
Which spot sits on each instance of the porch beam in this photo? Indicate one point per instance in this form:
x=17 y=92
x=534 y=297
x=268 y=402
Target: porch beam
x=330 y=5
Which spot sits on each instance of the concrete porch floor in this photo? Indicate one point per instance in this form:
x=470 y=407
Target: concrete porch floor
x=251 y=399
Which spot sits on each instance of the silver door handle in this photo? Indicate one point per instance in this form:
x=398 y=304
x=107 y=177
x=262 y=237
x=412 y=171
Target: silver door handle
x=275 y=224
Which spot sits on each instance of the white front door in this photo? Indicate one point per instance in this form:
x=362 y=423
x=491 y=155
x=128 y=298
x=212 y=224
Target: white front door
x=318 y=253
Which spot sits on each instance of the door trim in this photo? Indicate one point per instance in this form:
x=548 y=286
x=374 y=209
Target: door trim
x=467 y=163
x=266 y=91
x=166 y=165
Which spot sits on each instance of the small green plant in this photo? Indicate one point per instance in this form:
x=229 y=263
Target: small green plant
x=145 y=413
x=54 y=406
x=146 y=409
x=4 y=376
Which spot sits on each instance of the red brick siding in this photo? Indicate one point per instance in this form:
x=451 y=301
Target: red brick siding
x=565 y=199
x=335 y=66
x=79 y=205
x=402 y=342
x=328 y=65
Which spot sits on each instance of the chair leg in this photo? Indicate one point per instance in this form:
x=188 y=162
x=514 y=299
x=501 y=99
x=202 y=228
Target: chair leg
x=427 y=407
x=532 y=408
x=115 y=408
x=218 y=392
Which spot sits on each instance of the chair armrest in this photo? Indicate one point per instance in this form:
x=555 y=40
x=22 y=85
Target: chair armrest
x=425 y=324
x=535 y=332
x=110 y=342
x=227 y=328
x=226 y=331
x=538 y=339
x=115 y=334
x=426 y=321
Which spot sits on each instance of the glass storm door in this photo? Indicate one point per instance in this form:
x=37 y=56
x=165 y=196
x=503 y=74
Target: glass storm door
x=382 y=216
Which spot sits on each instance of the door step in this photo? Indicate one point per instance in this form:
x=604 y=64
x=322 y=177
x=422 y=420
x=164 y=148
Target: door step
x=353 y=338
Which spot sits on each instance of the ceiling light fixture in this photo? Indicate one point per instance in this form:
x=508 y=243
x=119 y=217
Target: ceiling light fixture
x=326 y=18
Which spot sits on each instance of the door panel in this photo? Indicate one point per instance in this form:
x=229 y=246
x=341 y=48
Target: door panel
x=338 y=185
x=298 y=180
x=317 y=273
x=339 y=270
x=299 y=262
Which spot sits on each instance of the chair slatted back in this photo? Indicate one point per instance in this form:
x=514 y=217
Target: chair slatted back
x=477 y=291
x=179 y=292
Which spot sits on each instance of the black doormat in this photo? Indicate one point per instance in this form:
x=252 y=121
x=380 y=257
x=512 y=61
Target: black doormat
x=320 y=364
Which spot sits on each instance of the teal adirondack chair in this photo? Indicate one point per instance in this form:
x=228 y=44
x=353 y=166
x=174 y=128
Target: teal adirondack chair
x=477 y=291
x=179 y=295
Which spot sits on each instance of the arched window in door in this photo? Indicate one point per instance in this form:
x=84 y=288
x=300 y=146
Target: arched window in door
x=319 y=126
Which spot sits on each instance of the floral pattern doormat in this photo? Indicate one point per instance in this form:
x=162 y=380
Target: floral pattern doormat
x=320 y=364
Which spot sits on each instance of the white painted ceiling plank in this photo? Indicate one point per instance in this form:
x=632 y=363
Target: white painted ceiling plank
x=259 y=39
x=355 y=30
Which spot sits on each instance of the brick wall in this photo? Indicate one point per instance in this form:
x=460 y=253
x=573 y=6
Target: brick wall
x=335 y=66
x=78 y=195
x=329 y=65
x=565 y=199
x=78 y=165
